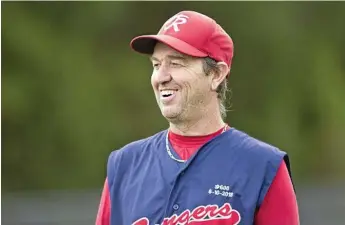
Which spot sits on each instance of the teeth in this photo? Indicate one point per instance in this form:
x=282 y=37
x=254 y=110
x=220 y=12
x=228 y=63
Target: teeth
x=167 y=92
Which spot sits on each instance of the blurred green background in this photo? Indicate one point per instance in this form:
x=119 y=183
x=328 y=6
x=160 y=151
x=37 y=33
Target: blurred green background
x=73 y=90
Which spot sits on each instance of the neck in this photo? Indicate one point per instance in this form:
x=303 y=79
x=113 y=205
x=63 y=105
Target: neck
x=206 y=124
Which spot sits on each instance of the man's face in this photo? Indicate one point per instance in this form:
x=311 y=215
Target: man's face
x=181 y=88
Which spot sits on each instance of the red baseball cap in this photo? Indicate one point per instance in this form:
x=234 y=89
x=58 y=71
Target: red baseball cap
x=190 y=33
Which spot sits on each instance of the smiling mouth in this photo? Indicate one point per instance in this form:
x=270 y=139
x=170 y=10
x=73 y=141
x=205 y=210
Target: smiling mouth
x=167 y=93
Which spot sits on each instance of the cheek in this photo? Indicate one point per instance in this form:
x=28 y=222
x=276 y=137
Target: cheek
x=198 y=91
x=154 y=82
x=195 y=85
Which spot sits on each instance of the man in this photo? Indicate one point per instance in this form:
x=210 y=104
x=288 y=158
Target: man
x=200 y=170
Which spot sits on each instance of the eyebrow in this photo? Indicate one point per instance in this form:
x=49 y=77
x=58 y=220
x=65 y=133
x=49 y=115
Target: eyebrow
x=174 y=56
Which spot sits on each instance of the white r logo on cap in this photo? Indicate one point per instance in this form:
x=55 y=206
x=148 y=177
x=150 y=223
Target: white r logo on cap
x=175 y=21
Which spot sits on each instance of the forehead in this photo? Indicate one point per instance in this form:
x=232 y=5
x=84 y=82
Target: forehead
x=162 y=51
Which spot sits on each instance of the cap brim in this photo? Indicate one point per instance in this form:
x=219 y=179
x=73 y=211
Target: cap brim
x=145 y=44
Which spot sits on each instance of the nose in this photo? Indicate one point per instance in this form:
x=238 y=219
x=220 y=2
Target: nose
x=163 y=75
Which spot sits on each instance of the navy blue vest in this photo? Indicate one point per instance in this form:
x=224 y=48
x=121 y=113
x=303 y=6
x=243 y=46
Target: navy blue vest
x=223 y=183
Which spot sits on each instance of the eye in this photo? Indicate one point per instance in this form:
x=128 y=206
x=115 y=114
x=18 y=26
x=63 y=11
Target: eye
x=155 y=65
x=176 y=64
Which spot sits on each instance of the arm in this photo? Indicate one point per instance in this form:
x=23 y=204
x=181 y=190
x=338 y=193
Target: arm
x=279 y=206
x=103 y=215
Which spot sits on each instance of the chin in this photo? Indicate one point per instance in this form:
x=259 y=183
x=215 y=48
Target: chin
x=170 y=113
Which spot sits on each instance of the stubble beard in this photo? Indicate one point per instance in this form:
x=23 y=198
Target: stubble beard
x=174 y=114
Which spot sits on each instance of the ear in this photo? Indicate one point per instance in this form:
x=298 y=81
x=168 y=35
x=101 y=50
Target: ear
x=218 y=78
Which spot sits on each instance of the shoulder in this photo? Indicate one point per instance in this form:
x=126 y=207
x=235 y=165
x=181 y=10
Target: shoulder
x=136 y=147
x=257 y=152
x=248 y=144
x=122 y=159
x=261 y=158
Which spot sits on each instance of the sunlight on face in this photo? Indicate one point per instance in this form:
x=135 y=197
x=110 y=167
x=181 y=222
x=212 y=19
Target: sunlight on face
x=181 y=88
